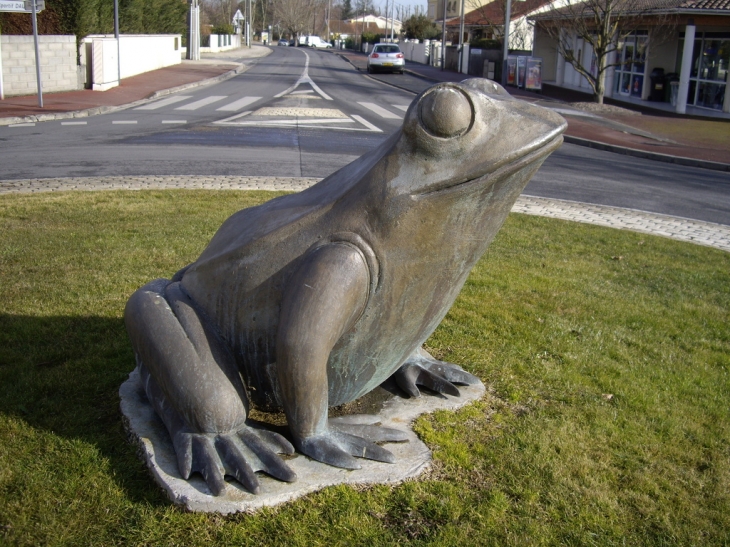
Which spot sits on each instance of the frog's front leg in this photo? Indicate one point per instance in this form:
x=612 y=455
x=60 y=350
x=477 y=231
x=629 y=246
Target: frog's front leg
x=322 y=301
x=422 y=369
x=194 y=386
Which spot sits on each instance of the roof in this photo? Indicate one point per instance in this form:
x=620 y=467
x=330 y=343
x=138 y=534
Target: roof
x=643 y=7
x=493 y=13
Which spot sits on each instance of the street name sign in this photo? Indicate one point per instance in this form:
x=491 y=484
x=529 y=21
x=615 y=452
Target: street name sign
x=22 y=6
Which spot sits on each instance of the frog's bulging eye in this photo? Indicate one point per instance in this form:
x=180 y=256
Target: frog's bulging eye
x=446 y=112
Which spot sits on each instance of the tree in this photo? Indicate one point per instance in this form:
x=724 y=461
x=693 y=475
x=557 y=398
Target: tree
x=295 y=15
x=603 y=25
x=346 y=10
x=420 y=27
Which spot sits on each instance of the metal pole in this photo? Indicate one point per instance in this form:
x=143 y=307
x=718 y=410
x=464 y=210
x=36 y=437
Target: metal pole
x=2 y=89
x=37 y=55
x=116 y=35
x=461 y=37
x=443 y=39
x=329 y=8
x=505 y=52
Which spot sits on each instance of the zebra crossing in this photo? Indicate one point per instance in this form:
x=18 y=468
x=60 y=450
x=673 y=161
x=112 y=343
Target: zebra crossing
x=262 y=117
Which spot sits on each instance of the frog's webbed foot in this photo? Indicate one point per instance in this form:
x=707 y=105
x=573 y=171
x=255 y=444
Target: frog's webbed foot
x=348 y=438
x=238 y=454
x=422 y=369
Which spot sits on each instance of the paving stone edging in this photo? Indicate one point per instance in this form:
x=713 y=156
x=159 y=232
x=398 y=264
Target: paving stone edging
x=682 y=229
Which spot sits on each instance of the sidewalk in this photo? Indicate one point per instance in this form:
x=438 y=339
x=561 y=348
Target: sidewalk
x=150 y=85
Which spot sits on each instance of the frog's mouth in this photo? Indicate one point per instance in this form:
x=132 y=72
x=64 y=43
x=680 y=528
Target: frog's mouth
x=503 y=169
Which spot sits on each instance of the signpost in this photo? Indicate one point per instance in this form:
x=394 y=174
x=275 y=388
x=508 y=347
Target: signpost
x=32 y=7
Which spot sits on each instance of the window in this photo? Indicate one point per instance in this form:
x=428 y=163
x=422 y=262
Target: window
x=631 y=53
x=708 y=75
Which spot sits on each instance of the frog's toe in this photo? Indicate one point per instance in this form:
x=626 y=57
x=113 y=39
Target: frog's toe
x=207 y=462
x=326 y=449
x=362 y=448
x=370 y=432
x=265 y=446
x=232 y=451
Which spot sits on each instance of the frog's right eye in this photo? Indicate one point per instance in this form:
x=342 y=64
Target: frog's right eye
x=446 y=112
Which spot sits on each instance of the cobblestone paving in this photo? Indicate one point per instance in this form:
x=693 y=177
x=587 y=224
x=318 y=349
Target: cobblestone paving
x=694 y=231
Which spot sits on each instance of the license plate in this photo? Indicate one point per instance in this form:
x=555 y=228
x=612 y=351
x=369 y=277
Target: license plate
x=387 y=64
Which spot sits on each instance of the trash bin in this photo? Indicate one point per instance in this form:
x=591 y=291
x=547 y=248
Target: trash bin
x=671 y=86
x=657 y=85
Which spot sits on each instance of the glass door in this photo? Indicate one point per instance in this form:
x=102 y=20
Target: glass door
x=631 y=56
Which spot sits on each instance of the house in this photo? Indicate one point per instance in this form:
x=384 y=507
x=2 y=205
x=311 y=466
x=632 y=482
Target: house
x=382 y=23
x=689 y=40
x=487 y=22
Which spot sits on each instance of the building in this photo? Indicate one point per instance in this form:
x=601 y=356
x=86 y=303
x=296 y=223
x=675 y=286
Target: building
x=689 y=40
x=382 y=23
x=487 y=22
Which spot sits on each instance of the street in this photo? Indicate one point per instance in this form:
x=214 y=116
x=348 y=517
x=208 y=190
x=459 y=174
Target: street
x=304 y=112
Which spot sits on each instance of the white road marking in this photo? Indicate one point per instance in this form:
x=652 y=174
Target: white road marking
x=402 y=107
x=22 y=125
x=124 y=122
x=202 y=102
x=305 y=79
x=380 y=111
x=235 y=106
x=174 y=121
x=302 y=92
x=367 y=124
x=73 y=123
x=294 y=123
x=163 y=102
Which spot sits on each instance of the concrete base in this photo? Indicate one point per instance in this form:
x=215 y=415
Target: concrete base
x=155 y=448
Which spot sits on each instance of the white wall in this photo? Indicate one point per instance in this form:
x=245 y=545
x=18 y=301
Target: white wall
x=59 y=71
x=415 y=52
x=222 y=42
x=139 y=54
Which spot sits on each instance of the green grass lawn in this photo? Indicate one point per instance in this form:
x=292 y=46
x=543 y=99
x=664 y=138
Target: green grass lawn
x=606 y=355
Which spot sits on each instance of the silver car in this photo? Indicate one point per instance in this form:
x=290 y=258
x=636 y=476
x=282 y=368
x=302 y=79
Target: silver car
x=386 y=57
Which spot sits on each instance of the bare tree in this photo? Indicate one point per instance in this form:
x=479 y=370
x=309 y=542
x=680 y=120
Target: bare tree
x=296 y=15
x=604 y=25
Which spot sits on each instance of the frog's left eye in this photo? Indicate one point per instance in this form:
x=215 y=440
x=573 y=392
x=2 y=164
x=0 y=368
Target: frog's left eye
x=446 y=112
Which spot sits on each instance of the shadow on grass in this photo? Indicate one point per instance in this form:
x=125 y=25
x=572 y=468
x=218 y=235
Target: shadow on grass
x=61 y=375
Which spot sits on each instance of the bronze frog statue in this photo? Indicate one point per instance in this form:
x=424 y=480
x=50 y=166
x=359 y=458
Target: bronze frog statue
x=313 y=299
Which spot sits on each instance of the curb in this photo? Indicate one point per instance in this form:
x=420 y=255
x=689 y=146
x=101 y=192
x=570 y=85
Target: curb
x=51 y=116
x=655 y=156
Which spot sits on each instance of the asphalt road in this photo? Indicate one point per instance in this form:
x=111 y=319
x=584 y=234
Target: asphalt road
x=303 y=112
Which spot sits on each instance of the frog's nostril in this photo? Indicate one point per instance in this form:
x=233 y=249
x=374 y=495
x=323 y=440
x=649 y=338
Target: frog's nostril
x=446 y=112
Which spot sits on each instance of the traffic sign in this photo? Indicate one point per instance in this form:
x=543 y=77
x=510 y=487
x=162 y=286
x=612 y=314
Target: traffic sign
x=22 y=6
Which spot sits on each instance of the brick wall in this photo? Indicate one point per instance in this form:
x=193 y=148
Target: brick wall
x=58 y=64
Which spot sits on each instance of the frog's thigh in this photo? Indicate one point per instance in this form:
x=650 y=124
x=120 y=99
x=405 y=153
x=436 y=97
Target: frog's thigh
x=186 y=358
x=323 y=300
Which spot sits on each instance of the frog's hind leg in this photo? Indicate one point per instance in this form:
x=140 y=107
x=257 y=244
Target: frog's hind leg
x=194 y=386
x=423 y=369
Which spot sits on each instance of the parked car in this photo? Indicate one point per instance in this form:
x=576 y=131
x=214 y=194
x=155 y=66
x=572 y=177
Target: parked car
x=386 y=57
x=313 y=41
x=283 y=42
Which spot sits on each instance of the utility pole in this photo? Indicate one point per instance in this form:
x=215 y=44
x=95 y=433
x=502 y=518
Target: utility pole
x=443 y=38
x=193 y=52
x=116 y=35
x=461 y=37
x=505 y=52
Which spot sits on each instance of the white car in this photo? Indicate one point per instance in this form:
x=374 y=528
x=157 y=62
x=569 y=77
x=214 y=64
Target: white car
x=386 y=57
x=313 y=41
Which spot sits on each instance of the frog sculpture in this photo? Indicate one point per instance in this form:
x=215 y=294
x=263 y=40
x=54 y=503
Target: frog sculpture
x=313 y=299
